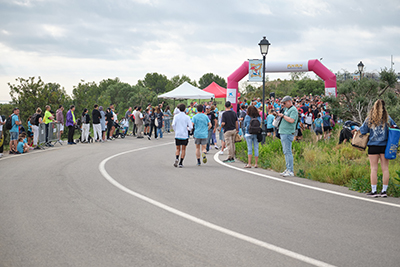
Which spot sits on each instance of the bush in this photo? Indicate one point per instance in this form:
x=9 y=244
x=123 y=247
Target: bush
x=325 y=161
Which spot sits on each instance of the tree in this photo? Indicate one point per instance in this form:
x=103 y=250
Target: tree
x=155 y=82
x=30 y=94
x=355 y=98
x=208 y=78
x=176 y=81
x=308 y=86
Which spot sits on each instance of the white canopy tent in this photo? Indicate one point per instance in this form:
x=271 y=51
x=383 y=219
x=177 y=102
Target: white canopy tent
x=187 y=91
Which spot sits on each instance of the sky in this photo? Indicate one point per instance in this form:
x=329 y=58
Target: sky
x=91 y=40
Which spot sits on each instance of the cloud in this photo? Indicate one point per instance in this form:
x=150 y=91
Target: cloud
x=65 y=41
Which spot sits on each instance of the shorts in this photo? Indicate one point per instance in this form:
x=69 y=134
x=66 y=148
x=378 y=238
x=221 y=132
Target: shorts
x=270 y=130
x=61 y=128
x=327 y=128
x=221 y=135
x=298 y=133
x=181 y=142
x=29 y=134
x=318 y=131
x=146 y=125
x=376 y=150
x=13 y=136
x=200 y=141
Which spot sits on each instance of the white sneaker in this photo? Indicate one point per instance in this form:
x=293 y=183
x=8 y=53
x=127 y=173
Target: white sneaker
x=283 y=173
x=288 y=174
x=1 y=155
x=221 y=152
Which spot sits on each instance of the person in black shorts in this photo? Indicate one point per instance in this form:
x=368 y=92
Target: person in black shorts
x=181 y=125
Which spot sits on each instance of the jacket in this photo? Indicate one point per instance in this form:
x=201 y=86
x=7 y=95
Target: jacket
x=378 y=135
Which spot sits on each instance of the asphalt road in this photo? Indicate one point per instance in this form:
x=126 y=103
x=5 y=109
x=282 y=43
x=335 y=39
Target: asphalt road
x=122 y=203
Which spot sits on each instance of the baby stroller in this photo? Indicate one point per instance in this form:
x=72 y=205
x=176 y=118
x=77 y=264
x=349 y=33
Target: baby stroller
x=119 y=131
x=79 y=128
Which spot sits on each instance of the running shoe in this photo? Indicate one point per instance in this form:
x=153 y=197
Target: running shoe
x=204 y=158
x=198 y=164
x=221 y=152
x=288 y=174
x=180 y=166
x=176 y=163
x=383 y=194
x=372 y=194
x=149 y=137
x=231 y=160
x=283 y=173
x=216 y=147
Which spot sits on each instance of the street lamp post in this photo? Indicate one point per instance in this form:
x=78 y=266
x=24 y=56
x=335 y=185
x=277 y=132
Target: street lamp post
x=360 y=68
x=264 y=45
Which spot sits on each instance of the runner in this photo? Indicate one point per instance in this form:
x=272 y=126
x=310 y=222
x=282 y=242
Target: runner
x=181 y=125
x=201 y=124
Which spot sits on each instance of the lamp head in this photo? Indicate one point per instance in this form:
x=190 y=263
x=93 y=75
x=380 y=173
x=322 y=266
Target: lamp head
x=360 y=66
x=264 y=45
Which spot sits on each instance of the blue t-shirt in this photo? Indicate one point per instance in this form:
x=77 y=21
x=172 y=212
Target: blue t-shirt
x=29 y=126
x=318 y=123
x=20 y=147
x=200 y=121
x=270 y=119
x=277 y=107
x=15 y=127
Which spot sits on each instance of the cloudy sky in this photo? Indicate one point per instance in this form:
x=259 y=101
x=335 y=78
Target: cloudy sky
x=65 y=41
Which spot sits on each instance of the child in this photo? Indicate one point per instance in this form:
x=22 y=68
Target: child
x=125 y=124
x=30 y=132
x=318 y=126
x=20 y=147
x=268 y=123
x=25 y=141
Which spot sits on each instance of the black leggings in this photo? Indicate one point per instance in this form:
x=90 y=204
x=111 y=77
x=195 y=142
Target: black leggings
x=153 y=126
x=109 y=126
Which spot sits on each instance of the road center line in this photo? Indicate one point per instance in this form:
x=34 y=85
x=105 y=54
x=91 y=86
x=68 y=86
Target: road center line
x=216 y=158
x=204 y=223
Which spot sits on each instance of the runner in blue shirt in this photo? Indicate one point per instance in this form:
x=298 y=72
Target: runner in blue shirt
x=201 y=124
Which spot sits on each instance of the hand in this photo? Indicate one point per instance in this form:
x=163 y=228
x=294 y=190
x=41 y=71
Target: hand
x=280 y=115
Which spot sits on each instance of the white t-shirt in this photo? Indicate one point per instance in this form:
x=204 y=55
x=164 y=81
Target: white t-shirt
x=1 y=125
x=309 y=118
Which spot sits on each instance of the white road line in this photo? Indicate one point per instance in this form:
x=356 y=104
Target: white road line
x=189 y=217
x=216 y=158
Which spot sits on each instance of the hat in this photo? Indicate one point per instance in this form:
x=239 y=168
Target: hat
x=287 y=98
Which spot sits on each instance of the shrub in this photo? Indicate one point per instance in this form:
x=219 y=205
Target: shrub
x=325 y=161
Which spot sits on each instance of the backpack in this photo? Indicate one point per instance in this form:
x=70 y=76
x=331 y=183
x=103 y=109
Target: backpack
x=254 y=127
x=8 y=124
x=33 y=119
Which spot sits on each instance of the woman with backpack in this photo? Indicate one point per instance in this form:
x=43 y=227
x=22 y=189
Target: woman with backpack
x=252 y=127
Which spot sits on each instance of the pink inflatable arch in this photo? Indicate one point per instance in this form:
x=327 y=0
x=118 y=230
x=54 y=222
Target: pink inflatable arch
x=301 y=66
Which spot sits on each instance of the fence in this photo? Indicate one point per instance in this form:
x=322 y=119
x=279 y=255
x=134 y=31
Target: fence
x=53 y=132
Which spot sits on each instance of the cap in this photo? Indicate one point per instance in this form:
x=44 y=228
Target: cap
x=287 y=98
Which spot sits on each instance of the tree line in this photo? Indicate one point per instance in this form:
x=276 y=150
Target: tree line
x=353 y=101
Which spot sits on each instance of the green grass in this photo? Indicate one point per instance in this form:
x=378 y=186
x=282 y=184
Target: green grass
x=325 y=161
